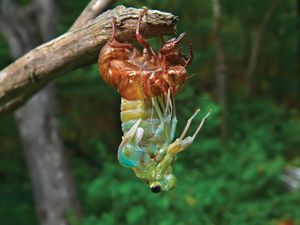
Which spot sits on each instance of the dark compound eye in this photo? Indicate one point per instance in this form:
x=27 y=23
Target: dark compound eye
x=172 y=73
x=155 y=189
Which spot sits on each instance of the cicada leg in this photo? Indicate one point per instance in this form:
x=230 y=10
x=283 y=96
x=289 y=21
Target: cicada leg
x=188 y=123
x=183 y=142
x=191 y=55
x=170 y=115
x=179 y=145
x=174 y=120
x=168 y=122
x=189 y=60
x=170 y=45
x=139 y=36
x=113 y=42
x=165 y=109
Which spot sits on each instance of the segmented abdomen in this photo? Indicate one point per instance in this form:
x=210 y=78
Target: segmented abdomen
x=132 y=111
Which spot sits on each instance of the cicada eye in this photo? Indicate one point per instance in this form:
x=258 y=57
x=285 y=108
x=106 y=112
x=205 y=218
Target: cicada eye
x=172 y=72
x=155 y=188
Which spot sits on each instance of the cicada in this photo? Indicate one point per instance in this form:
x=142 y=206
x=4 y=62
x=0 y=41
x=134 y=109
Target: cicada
x=148 y=82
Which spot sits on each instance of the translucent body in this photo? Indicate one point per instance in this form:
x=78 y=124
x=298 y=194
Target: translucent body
x=146 y=149
x=148 y=146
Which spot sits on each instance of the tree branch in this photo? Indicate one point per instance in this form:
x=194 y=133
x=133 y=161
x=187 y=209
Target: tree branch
x=31 y=72
x=93 y=9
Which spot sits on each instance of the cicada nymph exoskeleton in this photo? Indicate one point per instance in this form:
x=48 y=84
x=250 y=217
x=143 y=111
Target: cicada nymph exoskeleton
x=148 y=82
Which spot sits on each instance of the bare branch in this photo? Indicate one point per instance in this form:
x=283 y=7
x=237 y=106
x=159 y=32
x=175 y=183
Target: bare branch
x=28 y=74
x=93 y=9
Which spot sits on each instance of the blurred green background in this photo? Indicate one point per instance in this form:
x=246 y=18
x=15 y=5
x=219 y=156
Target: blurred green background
x=235 y=181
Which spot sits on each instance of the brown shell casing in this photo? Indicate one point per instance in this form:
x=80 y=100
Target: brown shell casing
x=139 y=75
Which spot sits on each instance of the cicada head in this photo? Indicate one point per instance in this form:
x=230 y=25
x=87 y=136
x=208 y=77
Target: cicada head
x=165 y=183
x=158 y=180
x=176 y=75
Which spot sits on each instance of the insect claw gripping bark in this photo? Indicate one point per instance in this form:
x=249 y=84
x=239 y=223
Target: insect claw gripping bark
x=148 y=82
x=139 y=36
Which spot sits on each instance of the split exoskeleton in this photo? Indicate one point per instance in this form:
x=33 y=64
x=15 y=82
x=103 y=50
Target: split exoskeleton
x=148 y=83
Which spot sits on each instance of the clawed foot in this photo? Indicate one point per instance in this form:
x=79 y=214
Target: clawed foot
x=183 y=142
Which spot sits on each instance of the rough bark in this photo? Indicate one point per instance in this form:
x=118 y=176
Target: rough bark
x=74 y=49
x=53 y=186
x=256 y=39
x=220 y=68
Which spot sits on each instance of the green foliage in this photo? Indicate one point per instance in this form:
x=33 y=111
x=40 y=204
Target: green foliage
x=234 y=184
x=4 y=53
x=15 y=188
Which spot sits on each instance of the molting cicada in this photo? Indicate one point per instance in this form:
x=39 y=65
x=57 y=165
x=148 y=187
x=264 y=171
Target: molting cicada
x=148 y=82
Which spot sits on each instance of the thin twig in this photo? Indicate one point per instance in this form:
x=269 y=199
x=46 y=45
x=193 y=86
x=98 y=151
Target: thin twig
x=93 y=9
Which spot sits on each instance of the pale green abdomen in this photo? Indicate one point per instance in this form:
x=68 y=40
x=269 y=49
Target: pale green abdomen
x=131 y=111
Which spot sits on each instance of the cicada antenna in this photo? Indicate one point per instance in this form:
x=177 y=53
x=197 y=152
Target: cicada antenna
x=191 y=55
x=201 y=123
x=194 y=74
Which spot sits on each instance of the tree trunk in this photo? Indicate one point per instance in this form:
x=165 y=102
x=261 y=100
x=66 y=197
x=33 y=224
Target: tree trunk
x=252 y=62
x=256 y=39
x=298 y=15
x=53 y=186
x=220 y=68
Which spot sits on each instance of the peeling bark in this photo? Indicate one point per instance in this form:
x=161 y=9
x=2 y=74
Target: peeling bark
x=90 y=12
